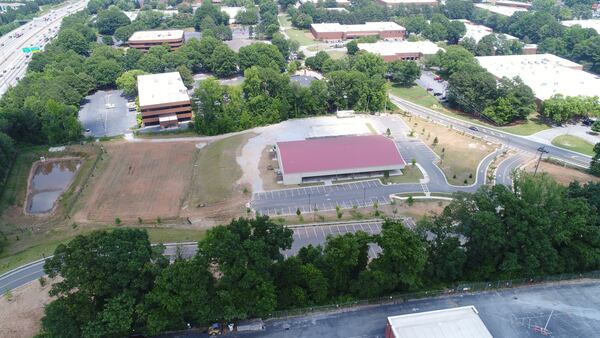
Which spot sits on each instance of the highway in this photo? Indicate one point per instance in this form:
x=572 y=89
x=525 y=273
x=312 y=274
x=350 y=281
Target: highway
x=38 y=32
x=494 y=135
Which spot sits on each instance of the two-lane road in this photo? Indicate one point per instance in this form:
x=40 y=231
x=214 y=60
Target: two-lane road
x=496 y=135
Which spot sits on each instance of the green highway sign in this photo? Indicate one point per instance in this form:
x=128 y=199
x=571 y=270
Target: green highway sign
x=32 y=49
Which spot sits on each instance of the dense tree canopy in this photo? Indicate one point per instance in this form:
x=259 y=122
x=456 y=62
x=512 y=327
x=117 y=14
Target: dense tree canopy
x=109 y=20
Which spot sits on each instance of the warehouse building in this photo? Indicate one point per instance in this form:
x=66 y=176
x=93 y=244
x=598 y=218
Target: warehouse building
x=400 y=50
x=461 y=322
x=501 y=10
x=546 y=74
x=394 y=3
x=591 y=23
x=143 y=40
x=330 y=157
x=336 y=31
x=477 y=32
x=164 y=99
x=338 y=3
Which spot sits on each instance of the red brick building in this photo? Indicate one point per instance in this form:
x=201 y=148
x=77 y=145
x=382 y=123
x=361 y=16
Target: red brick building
x=164 y=99
x=143 y=40
x=335 y=31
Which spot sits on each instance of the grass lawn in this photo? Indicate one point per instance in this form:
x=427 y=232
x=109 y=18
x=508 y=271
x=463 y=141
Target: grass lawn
x=420 y=96
x=574 y=143
x=284 y=21
x=303 y=37
x=460 y=154
x=336 y=54
x=410 y=174
x=216 y=170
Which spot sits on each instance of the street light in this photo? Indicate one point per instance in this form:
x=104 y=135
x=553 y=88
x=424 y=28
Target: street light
x=542 y=151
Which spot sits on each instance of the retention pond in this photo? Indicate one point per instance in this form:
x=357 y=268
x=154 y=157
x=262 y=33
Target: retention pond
x=48 y=180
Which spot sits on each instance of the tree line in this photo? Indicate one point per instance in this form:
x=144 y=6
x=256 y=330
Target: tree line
x=268 y=96
x=474 y=90
x=114 y=283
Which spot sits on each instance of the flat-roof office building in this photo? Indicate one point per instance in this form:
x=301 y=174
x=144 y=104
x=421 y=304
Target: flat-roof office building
x=336 y=31
x=164 y=99
x=400 y=50
x=143 y=40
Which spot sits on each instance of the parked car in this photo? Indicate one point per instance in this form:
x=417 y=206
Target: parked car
x=437 y=94
x=437 y=78
x=473 y=128
x=587 y=121
x=429 y=89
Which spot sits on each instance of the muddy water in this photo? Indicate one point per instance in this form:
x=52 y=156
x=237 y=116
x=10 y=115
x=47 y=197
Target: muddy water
x=49 y=181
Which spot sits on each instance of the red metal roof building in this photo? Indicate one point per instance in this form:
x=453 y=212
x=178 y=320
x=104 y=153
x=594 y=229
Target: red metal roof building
x=340 y=155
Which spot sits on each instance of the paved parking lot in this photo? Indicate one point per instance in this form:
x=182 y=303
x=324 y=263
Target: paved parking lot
x=322 y=198
x=317 y=235
x=427 y=81
x=105 y=113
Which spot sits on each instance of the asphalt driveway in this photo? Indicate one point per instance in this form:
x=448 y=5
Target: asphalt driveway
x=105 y=113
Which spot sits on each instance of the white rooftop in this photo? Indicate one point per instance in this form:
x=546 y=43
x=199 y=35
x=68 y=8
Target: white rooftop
x=461 y=322
x=546 y=74
x=398 y=47
x=339 y=2
x=591 y=23
x=155 y=89
x=502 y=10
x=232 y=12
x=157 y=35
x=512 y=3
x=407 y=2
x=366 y=27
x=477 y=32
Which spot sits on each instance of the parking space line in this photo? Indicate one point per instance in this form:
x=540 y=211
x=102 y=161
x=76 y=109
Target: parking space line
x=323 y=232
x=371 y=229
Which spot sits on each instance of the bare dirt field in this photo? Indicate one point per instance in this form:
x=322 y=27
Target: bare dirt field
x=146 y=180
x=563 y=175
x=20 y=317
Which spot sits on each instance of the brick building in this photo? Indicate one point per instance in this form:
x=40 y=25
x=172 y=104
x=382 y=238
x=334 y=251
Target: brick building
x=336 y=31
x=143 y=40
x=164 y=99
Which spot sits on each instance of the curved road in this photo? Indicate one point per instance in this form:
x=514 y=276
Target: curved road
x=495 y=135
x=34 y=270
x=303 y=235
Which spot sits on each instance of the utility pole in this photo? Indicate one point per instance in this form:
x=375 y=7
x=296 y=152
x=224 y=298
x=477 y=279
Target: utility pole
x=542 y=151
